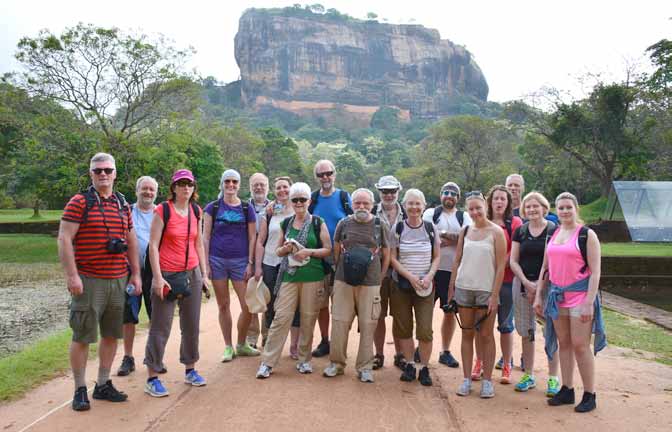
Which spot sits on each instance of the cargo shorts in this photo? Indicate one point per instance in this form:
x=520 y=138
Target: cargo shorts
x=100 y=306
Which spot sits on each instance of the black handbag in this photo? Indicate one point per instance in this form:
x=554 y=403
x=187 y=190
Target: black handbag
x=356 y=264
x=180 y=284
x=404 y=284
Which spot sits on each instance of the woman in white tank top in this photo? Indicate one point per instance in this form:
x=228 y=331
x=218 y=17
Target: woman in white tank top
x=478 y=271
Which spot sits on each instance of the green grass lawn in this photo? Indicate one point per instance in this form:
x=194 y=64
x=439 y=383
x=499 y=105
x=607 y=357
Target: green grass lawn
x=636 y=334
x=637 y=249
x=28 y=248
x=25 y=215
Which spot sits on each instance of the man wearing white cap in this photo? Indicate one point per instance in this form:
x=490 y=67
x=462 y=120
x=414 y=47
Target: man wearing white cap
x=448 y=221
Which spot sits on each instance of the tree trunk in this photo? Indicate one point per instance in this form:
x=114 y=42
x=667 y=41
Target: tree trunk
x=36 y=209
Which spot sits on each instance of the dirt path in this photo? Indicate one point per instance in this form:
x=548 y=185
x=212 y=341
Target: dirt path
x=633 y=394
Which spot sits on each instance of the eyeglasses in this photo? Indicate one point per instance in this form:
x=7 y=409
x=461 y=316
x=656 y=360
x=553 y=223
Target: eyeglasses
x=450 y=193
x=230 y=181
x=389 y=191
x=324 y=174
x=98 y=171
x=184 y=183
x=475 y=193
x=299 y=200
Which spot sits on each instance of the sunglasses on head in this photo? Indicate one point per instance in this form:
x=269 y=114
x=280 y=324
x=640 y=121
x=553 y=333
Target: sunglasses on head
x=184 y=182
x=299 y=200
x=475 y=193
x=389 y=191
x=229 y=181
x=324 y=174
x=451 y=193
x=98 y=171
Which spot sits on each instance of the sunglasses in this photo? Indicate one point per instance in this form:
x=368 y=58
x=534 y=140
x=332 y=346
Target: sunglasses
x=299 y=200
x=229 y=181
x=184 y=183
x=324 y=174
x=389 y=191
x=475 y=193
x=450 y=193
x=98 y=171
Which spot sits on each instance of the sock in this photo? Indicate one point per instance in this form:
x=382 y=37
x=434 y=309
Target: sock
x=188 y=371
x=103 y=375
x=80 y=377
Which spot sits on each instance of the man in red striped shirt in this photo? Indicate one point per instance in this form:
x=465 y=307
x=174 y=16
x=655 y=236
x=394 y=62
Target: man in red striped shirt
x=96 y=246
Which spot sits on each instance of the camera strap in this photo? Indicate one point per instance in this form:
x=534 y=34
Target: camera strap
x=101 y=208
x=186 y=259
x=478 y=322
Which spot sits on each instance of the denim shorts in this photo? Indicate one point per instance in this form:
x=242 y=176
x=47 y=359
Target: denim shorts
x=228 y=268
x=505 y=309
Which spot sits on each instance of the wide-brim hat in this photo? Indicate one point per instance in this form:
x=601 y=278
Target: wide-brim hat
x=257 y=295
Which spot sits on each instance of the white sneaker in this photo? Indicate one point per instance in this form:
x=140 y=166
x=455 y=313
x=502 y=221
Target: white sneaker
x=465 y=388
x=365 y=375
x=304 y=368
x=264 y=371
x=487 y=389
x=332 y=370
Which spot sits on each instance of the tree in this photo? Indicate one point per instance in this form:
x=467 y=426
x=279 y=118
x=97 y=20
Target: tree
x=98 y=71
x=280 y=155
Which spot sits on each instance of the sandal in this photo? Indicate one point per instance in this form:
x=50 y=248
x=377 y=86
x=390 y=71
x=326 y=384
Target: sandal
x=378 y=361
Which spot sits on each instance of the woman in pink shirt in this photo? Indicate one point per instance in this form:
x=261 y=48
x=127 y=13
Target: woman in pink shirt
x=573 y=302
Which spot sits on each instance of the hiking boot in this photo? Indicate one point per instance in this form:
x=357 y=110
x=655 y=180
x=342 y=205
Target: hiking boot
x=409 y=373
x=194 y=379
x=304 y=368
x=506 y=375
x=400 y=361
x=564 y=397
x=108 y=392
x=332 y=370
x=477 y=371
x=465 y=388
x=416 y=355
x=587 y=404
x=552 y=387
x=80 y=401
x=424 y=377
x=365 y=376
x=229 y=354
x=264 y=371
x=526 y=382
x=487 y=389
x=378 y=361
x=322 y=349
x=245 y=350
x=127 y=366
x=447 y=359
x=155 y=388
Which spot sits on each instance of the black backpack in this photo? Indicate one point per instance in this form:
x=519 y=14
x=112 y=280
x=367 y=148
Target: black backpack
x=317 y=227
x=344 y=202
x=459 y=215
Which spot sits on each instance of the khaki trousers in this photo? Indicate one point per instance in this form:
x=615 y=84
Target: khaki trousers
x=291 y=294
x=348 y=301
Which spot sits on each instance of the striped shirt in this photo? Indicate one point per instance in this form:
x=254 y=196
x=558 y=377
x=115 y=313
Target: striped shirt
x=415 y=249
x=91 y=256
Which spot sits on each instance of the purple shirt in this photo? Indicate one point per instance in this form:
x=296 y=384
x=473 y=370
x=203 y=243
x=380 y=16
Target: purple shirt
x=229 y=234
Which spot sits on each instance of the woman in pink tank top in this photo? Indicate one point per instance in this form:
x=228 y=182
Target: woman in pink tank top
x=574 y=324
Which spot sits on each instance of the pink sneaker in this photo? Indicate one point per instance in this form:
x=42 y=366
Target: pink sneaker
x=477 y=371
x=506 y=374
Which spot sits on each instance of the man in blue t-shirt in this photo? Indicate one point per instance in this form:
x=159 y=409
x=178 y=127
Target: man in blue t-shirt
x=332 y=205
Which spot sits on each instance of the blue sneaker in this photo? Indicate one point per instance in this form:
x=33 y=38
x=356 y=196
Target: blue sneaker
x=526 y=383
x=194 y=379
x=155 y=388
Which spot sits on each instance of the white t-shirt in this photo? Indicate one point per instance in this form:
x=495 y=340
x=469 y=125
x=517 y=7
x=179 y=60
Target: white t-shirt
x=142 y=223
x=447 y=222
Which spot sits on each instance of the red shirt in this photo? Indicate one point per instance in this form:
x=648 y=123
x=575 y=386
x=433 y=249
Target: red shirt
x=173 y=251
x=91 y=256
x=515 y=223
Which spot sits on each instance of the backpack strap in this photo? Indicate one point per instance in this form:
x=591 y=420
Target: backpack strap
x=507 y=224
x=583 y=246
x=215 y=210
x=246 y=209
x=269 y=216
x=313 y=201
x=345 y=203
x=460 y=217
x=429 y=227
x=437 y=214
x=399 y=228
x=377 y=227
x=317 y=227
x=404 y=216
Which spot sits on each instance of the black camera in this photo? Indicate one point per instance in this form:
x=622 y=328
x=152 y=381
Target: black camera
x=116 y=245
x=450 y=307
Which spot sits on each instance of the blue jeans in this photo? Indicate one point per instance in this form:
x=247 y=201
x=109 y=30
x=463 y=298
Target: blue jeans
x=505 y=309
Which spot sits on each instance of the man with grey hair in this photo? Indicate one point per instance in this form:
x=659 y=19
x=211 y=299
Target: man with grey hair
x=360 y=241
x=142 y=212
x=516 y=185
x=332 y=205
x=96 y=245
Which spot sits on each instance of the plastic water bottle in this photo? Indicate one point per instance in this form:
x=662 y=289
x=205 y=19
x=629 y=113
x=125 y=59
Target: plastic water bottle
x=130 y=289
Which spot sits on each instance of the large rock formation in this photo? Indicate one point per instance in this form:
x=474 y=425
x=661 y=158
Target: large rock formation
x=297 y=60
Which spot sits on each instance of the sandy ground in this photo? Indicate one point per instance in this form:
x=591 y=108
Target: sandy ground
x=633 y=394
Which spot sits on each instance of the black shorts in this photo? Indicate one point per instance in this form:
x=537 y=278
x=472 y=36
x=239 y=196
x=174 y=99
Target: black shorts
x=441 y=283
x=128 y=313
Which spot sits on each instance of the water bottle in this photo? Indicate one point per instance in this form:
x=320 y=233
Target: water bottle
x=130 y=289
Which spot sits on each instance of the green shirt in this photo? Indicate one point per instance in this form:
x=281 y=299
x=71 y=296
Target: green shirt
x=311 y=272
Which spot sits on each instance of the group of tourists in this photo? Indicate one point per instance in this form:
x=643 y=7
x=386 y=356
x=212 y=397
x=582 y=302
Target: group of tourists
x=506 y=257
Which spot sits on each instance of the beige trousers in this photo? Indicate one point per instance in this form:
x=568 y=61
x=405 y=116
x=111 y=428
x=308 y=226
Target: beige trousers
x=306 y=295
x=347 y=302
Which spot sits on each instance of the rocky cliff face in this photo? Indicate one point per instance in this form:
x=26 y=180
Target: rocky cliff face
x=315 y=58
